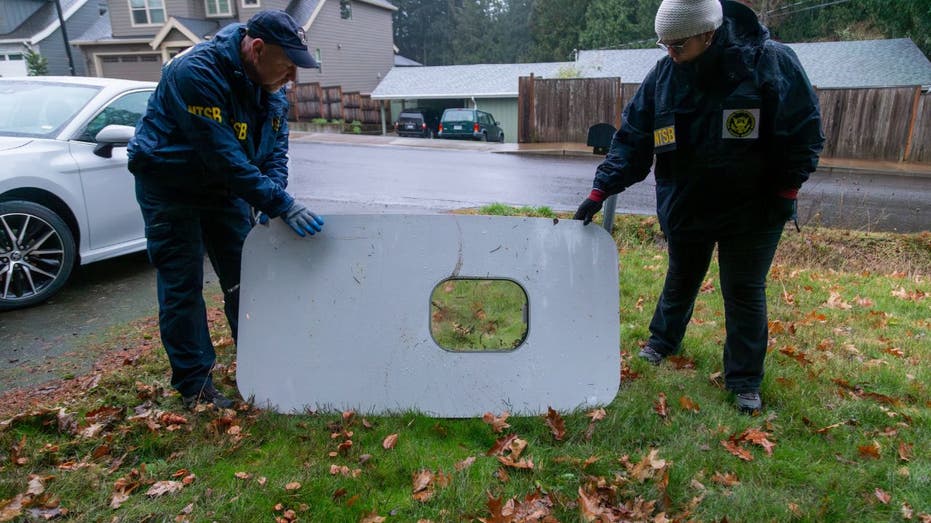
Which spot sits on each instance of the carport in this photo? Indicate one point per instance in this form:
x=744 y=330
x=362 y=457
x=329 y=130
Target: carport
x=492 y=88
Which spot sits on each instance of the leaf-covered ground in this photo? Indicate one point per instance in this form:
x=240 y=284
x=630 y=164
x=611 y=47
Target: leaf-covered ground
x=843 y=435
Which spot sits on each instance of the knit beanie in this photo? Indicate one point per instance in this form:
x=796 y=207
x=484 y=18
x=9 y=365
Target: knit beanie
x=678 y=19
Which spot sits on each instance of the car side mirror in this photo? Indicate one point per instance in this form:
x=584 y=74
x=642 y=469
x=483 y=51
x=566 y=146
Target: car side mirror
x=112 y=136
x=497 y=123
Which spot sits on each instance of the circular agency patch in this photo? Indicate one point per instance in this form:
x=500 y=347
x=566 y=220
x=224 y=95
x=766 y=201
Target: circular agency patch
x=740 y=123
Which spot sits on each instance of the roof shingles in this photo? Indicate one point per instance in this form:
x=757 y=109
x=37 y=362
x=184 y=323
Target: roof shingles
x=851 y=64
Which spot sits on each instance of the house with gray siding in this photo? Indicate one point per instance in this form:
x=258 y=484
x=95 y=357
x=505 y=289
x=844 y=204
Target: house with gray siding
x=494 y=87
x=34 y=24
x=352 y=39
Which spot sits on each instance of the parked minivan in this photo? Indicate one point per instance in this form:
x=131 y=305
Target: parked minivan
x=419 y=122
x=470 y=124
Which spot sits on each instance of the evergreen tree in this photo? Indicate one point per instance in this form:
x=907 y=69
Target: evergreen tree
x=616 y=24
x=555 y=28
x=421 y=30
x=36 y=64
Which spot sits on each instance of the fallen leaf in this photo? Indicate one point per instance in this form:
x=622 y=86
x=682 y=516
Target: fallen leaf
x=872 y=450
x=687 y=404
x=170 y=418
x=895 y=351
x=681 y=362
x=466 y=463
x=737 y=450
x=294 y=485
x=646 y=468
x=372 y=517
x=243 y=475
x=836 y=302
x=423 y=485
x=758 y=437
x=728 y=479
x=500 y=445
x=389 y=442
x=160 y=488
x=498 y=423
x=905 y=451
x=519 y=464
x=883 y=496
x=660 y=407
x=556 y=424
x=597 y=414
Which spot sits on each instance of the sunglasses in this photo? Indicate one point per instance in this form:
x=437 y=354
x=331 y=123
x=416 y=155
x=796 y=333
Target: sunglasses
x=675 y=47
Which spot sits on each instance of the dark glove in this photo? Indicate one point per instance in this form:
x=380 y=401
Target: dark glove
x=783 y=207
x=302 y=220
x=590 y=207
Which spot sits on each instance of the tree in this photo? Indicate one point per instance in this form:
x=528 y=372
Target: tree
x=421 y=30
x=861 y=20
x=36 y=64
x=619 y=24
x=512 y=41
x=473 y=32
x=555 y=28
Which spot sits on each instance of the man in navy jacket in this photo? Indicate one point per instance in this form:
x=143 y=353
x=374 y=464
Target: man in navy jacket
x=213 y=142
x=735 y=129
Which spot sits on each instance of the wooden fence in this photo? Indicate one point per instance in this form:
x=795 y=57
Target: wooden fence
x=891 y=124
x=562 y=110
x=309 y=101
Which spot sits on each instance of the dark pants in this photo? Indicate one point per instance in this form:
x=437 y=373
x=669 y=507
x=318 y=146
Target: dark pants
x=180 y=230
x=744 y=262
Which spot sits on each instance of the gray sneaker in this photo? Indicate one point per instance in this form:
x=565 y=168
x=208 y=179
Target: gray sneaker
x=749 y=402
x=650 y=354
x=209 y=394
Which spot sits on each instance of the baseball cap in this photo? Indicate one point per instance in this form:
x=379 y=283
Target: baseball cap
x=278 y=28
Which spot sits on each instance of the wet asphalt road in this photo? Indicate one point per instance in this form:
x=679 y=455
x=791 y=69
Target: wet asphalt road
x=341 y=178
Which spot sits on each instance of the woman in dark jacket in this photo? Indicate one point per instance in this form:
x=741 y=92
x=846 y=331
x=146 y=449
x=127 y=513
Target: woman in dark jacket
x=734 y=125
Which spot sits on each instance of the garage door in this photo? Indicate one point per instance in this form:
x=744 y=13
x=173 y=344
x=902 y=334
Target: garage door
x=12 y=64
x=132 y=66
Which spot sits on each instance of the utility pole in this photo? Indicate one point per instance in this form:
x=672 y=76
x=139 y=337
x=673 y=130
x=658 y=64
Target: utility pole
x=64 y=35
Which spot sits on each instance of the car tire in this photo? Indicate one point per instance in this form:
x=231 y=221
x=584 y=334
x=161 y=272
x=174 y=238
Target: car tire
x=483 y=138
x=31 y=272
x=501 y=137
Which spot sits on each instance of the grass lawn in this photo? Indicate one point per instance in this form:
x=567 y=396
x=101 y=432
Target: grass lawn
x=844 y=434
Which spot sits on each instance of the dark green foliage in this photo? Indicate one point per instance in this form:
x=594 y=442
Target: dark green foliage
x=444 y=32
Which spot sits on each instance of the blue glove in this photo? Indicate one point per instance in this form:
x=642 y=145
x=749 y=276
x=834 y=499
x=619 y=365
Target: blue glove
x=301 y=220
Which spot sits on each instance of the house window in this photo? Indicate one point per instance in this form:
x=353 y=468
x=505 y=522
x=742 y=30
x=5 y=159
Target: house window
x=345 y=9
x=218 y=8
x=147 y=12
x=13 y=57
x=250 y=3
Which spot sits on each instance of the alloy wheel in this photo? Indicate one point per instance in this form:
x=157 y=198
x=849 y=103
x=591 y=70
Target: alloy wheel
x=32 y=256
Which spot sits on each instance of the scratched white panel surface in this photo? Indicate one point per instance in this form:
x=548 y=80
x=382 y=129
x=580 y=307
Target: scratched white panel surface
x=342 y=320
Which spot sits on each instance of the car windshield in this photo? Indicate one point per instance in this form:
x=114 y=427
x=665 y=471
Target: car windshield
x=411 y=116
x=458 y=116
x=40 y=109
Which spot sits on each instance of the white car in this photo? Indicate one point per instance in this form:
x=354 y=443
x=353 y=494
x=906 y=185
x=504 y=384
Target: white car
x=66 y=196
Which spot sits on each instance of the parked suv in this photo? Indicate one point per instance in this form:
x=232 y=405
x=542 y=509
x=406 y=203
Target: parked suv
x=422 y=123
x=470 y=124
